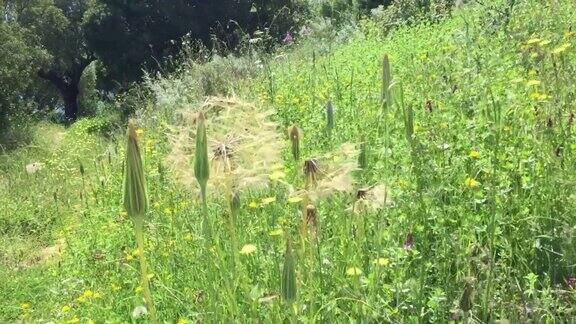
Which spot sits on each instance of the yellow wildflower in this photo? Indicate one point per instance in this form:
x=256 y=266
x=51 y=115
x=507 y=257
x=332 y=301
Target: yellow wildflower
x=182 y=321
x=295 y=200
x=116 y=287
x=544 y=42
x=139 y=131
x=268 y=200
x=353 y=271
x=253 y=205
x=66 y=308
x=88 y=293
x=248 y=249
x=25 y=306
x=471 y=182
x=382 y=262
x=277 y=175
x=276 y=232
x=533 y=41
x=561 y=48
x=474 y=154
x=189 y=238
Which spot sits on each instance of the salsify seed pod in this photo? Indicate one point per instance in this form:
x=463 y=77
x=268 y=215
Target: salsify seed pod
x=288 y=282
x=329 y=117
x=201 y=168
x=135 y=197
x=295 y=139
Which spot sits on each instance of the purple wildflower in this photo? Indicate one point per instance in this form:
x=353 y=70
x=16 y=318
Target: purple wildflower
x=409 y=243
x=571 y=282
x=288 y=39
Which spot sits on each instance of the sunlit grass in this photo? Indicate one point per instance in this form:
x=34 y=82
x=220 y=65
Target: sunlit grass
x=438 y=188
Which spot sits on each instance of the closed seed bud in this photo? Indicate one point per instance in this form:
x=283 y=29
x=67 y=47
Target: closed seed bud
x=201 y=169
x=288 y=282
x=311 y=171
x=135 y=198
x=467 y=299
x=235 y=202
x=295 y=139
x=311 y=219
x=81 y=169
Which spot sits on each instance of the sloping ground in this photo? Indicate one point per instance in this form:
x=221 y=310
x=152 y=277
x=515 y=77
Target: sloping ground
x=482 y=192
x=490 y=174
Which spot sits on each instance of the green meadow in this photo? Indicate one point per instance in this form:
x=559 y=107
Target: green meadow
x=425 y=174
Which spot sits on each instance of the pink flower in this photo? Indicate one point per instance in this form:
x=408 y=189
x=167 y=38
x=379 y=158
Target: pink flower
x=409 y=243
x=571 y=282
x=288 y=39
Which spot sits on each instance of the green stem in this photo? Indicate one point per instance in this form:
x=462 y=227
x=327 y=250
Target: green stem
x=206 y=228
x=139 y=229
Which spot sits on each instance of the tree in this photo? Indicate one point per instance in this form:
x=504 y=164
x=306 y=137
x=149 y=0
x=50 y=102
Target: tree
x=129 y=36
x=132 y=36
x=18 y=62
x=57 y=27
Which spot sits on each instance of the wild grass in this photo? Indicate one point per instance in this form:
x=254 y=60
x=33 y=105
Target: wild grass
x=460 y=209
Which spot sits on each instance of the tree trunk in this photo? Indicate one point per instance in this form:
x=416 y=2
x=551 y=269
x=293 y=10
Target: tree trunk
x=70 y=97
x=68 y=89
x=68 y=86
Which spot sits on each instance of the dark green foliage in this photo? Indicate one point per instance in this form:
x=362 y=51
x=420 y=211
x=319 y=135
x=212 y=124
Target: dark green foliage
x=16 y=84
x=131 y=36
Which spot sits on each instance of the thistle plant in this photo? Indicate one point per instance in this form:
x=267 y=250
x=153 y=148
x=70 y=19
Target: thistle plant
x=136 y=205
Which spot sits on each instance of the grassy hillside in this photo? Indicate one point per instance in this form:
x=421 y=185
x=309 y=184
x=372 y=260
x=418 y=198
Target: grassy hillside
x=463 y=208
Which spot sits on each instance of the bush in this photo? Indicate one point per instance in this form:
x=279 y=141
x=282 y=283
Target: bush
x=410 y=12
x=88 y=97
